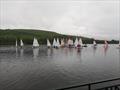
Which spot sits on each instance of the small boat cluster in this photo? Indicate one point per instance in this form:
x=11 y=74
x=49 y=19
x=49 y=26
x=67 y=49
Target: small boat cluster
x=66 y=43
x=57 y=43
x=78 y=43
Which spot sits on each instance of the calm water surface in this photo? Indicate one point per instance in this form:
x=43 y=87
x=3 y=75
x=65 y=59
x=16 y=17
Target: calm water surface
x=48 y=69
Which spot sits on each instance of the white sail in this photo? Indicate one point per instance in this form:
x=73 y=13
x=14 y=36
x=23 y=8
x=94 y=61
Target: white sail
x=80 y=41
x=21 y=43
x=94 y=43
x=69 y=42
x=76 y=42
x=54 y=42
x=58 y=43
x=35 y=43
x=16 y=43
x=62 y=42
x=48 y=43
x=106 y=44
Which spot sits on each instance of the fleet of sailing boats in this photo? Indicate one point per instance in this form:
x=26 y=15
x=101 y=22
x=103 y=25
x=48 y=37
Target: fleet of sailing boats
x=62 y=43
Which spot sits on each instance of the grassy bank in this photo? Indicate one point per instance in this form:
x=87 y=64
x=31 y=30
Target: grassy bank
x=9 y=36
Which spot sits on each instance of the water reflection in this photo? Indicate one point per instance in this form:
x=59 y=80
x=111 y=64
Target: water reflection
x=16 y=50
x=56 y=67
x=79 y=54
x=119 y=58
x=66 y=51
x=79 y=50
x=105 y=50
x=21 y=52
x=49 y=52
x=94 y=50
x=35 y=52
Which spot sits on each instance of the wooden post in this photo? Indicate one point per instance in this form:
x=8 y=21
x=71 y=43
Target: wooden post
x=89 y=87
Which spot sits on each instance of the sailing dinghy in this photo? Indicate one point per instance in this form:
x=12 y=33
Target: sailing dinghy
x=48 y=43
x=70 y=43
x=106 y=44
x=57 y=43
x=62 y=43
x=21 y=43
x=80 y=43
x=76 y=42
x=94 y=43
x=54 y=43
x=35 y=43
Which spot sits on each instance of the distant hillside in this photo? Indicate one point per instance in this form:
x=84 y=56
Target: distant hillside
x=9 y=36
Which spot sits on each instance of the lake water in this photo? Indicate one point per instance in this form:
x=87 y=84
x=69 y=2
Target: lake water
x=49 y=69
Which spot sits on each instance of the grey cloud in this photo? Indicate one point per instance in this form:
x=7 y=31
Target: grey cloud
x=93 y=18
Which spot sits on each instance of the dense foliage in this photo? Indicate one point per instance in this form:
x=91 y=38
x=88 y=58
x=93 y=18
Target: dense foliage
x=9 y=36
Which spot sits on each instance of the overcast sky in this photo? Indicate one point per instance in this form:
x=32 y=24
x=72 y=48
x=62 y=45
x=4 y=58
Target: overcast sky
x=92 y=18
